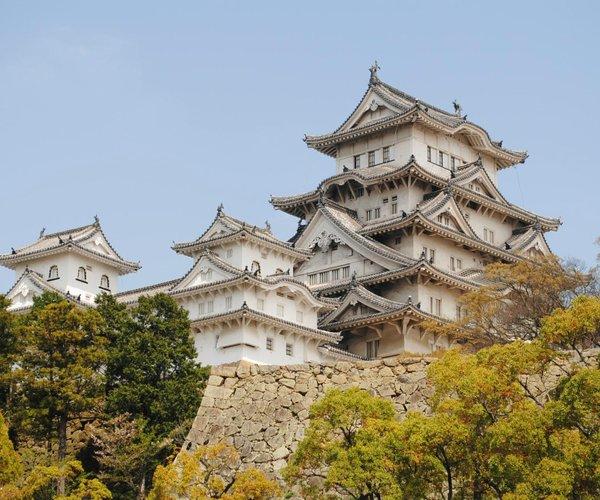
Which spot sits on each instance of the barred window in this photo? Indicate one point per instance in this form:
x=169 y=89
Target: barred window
x=289 y=349
x=104 y=282
x=53 y=273
x=82 y=274
x=386 y=153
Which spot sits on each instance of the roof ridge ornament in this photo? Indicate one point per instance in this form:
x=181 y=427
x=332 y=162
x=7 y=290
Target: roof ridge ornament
x=96 y=220
x=220 y=209
x=457 y=108
x=268 y=226
x=42 y=233
x=373 y=69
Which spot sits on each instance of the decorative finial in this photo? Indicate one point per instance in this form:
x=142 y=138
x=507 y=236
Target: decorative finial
x=268 y=226
x=409 y=301
x=354 y=281
x=373 y=69
x=457 y=107
x=96 y=220
x=412 y=158
x=42 y=232
x=13 y=251
x=220 y=208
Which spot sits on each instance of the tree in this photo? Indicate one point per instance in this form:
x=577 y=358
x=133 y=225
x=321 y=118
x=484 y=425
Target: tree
x=576 y=327
x=10 y=461
x=348 y=447
x=8 y=350
x=59 y=370
x=151 y=372
x=211 y=472
x=514 y=301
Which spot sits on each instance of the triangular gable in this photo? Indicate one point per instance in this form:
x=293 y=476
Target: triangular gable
x=322 y=231
x=23 y=291
x=207 y=269
x=371 y=107
x=530 y=244
x=444 y=210
x=98 y=243
x=359 y=302
x=479 y=181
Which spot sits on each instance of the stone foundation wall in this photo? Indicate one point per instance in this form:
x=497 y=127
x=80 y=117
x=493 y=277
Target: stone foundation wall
x=263 y=410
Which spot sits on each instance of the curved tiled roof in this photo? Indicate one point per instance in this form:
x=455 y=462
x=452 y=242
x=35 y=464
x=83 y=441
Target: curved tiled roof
x=50 y=244
x=364 y=177
x=245 y=311
x=406 y=109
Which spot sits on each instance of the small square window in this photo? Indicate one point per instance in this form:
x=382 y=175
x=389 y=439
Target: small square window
x=289 y=349
x=386 y=154
x=371 y=158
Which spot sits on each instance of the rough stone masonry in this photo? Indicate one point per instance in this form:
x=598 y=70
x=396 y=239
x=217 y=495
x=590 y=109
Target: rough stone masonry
x=263 y=410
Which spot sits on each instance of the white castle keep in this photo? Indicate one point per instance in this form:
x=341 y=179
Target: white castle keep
x=403 y=228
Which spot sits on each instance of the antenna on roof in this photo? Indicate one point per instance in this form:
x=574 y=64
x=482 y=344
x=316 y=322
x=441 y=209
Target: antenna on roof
x=373 y=69
x=42 y=232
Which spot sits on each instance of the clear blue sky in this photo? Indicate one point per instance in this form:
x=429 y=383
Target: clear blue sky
x=151 y=113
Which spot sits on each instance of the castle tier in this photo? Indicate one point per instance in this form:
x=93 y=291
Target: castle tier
x=76 y=263
x=243 y=299
x=408 y=221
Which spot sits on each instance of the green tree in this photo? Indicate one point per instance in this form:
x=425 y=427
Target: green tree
x=59 y=370
x=8 y=350
x=151 y=372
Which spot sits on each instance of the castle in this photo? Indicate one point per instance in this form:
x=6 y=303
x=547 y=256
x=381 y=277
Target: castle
x=404 y=227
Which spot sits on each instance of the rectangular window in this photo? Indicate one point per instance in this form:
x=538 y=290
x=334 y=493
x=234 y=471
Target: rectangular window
x=488 y=235
x=458 y=264
x=216 y=341
x=386 y=154
x=360 y=191
x=269 y=344
x=377 y=213
x=431 y=305
x=346 y=272
x=429 y=153
x=452 y=264
x=260 y=304
x=369 y=214
x=431 y=255
x=335 y=275
x=440 y=158
x=228 y=302
x=372 y=349
x=299 y=317
x=394 y=208
x=289 y=349
x=357 y=161
x=457 y=312
x=324 y=277
x=312 y=279
x=385 y=200
x=229 y=252
x=201 y=308
x=438 y=307
x=210 y=306
x=371 y=158
x=280 y=310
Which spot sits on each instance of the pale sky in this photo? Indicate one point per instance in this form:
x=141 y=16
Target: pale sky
x=149 y=114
